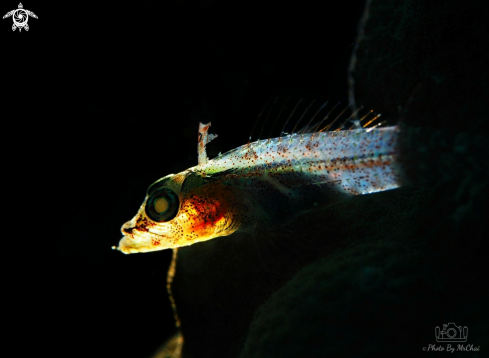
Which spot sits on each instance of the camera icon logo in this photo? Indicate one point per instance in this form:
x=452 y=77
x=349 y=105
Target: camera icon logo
x=451 y=333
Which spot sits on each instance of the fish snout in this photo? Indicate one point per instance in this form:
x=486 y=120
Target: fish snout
x=127 y=228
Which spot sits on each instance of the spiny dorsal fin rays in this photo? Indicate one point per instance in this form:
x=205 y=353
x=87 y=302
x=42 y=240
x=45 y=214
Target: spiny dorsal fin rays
x=353 y=115
x=275 y=122
x=377 y=125
x=203 y=139
x=288 y=119
x=352 y=122
x=293 y=130
x=356 y=124
x=326 y=117
x=373 y=119
x=307 y=127
x=333 y=122
x=268 y=115
x=365 y=116
x=254 y=126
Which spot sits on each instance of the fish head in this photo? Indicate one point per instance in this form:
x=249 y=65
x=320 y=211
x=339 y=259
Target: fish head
x=180 y=210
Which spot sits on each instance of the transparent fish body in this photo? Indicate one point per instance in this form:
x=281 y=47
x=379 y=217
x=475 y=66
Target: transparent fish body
x=264 y=184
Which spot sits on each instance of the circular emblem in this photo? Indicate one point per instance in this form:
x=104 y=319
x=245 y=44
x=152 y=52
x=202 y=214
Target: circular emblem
x=20 y=17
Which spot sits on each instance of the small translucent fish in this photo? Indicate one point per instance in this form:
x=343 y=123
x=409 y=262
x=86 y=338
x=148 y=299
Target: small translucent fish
x=267 y=183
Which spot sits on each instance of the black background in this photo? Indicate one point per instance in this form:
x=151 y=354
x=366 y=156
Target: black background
x=102 y=99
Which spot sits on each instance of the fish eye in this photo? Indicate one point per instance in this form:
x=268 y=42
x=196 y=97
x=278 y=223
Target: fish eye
x=162 y=205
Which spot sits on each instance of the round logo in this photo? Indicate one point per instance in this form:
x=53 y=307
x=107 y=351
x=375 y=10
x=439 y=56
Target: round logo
x=451 y=332
x=20 y=17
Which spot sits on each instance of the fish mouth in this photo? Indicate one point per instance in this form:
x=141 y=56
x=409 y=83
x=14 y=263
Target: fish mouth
x=128 y=246
x=131 y=244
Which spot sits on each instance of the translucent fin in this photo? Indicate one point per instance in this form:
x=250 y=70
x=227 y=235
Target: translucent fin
x=302 y=116
x=268 y=115
x=326 y=128
x=288 y=119
x=204 y=138
x=308 y=128
x=279 y=114
x=254 y=126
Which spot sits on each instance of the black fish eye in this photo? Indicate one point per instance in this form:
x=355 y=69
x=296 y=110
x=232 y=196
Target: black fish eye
x=162 y=205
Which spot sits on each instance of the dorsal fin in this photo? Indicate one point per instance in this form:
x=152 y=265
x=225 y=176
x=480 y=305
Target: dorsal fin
x=310 y=116
x=204 y=138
